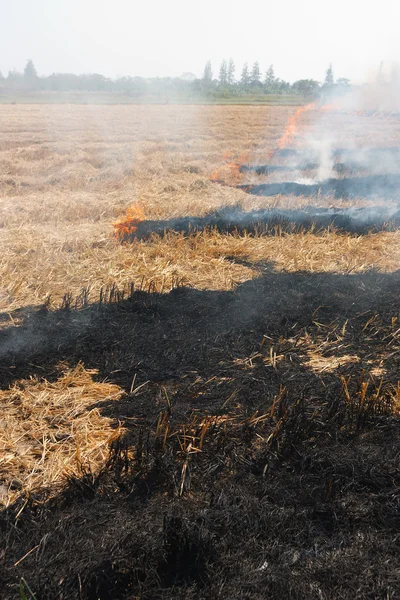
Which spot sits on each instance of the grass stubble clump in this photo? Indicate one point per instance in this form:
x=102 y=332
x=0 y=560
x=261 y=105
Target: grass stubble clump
x=203 y=415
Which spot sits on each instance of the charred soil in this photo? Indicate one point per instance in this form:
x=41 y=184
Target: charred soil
x=256 y=454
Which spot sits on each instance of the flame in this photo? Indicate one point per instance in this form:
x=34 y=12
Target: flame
x=127 y=225
x=292 y=126
x=230 y=171
x=215 y=175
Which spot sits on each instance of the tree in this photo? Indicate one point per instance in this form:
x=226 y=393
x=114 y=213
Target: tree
x=30 y=72
x=270 y=79
x=208 y=72
x=282 y=86
x=14 y=76
x=231 y=72
x=223 y=72
x=188 y=76
x=255 y=74
x=245 y=78
x=329 y=80
x=343 y=82
x=306 y=87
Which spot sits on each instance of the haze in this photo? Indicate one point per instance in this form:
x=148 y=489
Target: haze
x=157 y=38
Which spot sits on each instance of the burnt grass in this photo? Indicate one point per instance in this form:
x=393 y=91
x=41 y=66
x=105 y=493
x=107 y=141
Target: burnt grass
x=243 y=472
x=348 y=167
x=370 y=154
x=269 y=221
x=368 y=186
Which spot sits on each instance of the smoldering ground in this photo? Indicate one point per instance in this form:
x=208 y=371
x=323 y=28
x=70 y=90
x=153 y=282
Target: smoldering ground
x=369 y=187
x=214 y=475
x=320 y=147
x=372 y=160
x=233 y=220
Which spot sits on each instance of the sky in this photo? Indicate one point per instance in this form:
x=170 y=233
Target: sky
x=167 y=38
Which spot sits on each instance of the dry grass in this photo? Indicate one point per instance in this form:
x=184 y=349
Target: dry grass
x=66 y=174
x=50 y=431
x=69 y=171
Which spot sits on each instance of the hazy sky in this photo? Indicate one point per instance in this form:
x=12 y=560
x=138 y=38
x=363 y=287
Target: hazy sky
x=155 y=37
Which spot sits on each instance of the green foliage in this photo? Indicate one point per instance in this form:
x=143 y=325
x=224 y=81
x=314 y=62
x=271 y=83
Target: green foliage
x=208 y=72
x=24 y=587
x=231 y=72
x=30 y=71
x=223 y=73
x=245 y=77
x=166 y=89
x=306 y=87
x=255 y=77
x=270 y=79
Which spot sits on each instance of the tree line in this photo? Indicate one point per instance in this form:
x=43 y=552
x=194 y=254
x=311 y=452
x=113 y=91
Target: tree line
x=250 y=81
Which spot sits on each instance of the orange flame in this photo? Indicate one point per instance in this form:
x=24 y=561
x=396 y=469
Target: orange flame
x=127 y=225
x=292 y=125
x=230 y=171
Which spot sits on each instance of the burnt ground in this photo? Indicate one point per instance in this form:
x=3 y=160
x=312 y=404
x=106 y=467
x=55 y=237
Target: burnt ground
x=349 y=167
x=369 y=153
x=228 y=219
x=260 y=459
x=368 y=186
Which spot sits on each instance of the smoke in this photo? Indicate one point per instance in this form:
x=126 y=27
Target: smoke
x=379 y=95
x=325 y=169
x=376 y=187
x=68 y=328
x=323 y=147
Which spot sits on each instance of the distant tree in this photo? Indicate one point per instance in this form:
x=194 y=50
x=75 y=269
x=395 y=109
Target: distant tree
x=187 y=76
x=306 y=87
x=343 y=82
x=61 y=82
x=270 y=79
x=245 y=77
x=94 y=82
x=223 y=73
x=282 y=86
x=208 y=72
x=14 y=79
x=231 y=72
x=329 y=79
x=30 y=72
x=255 y=77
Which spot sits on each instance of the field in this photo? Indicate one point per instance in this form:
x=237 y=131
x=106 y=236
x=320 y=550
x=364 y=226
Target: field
x=120 y=98
x=211 y=414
